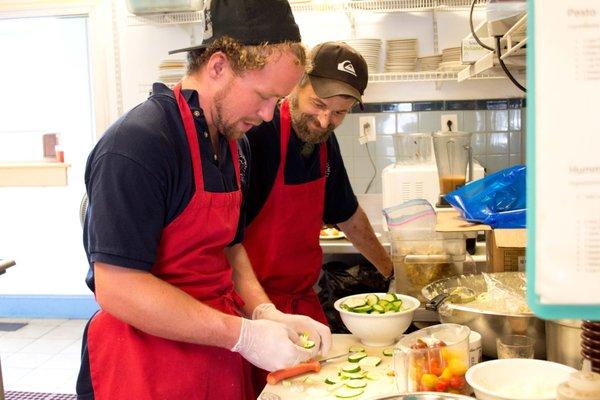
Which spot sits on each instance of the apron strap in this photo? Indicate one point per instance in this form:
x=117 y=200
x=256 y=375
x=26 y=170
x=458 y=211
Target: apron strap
x=192 y=137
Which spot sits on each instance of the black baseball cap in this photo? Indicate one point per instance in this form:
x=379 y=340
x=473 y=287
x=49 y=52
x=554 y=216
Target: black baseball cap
x=338 y=69
x=251 y=22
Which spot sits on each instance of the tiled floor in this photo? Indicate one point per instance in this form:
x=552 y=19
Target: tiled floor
x=43 y=356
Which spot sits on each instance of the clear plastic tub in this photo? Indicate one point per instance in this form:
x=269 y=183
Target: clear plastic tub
x=160 y=6
x=419 y=262
x=433 y=359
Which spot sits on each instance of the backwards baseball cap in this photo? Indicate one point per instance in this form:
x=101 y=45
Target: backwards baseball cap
x=338 y=69
x=250 y=22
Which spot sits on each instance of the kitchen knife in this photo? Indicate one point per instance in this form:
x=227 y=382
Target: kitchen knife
x=314 y=366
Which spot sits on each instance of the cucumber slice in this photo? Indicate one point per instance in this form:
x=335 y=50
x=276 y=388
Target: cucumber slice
x=332 y=380
x=383 y=303
x=354 y=302
x=388 y=352
x=346 y=393
x=352 y=375
x=391 y=297
x=356 y=349
x=362 y=309
x=372 y=299
x=351 y=368
x=355 y=383
x=372 y=376
x=356 y=357
x=378 y=308
x=397 y=304
x=376 y=312
x=370 y=361
x=306 y=342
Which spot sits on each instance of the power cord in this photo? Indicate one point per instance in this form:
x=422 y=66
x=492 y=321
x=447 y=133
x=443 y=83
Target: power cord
x=505 y=68
x=374 y=169
x=485 y=46
x=497 y=50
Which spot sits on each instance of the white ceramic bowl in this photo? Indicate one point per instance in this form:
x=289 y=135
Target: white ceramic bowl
x=517 y=378
x=378 y=329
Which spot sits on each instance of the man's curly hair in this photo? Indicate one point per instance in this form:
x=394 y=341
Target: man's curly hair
x=244 y=58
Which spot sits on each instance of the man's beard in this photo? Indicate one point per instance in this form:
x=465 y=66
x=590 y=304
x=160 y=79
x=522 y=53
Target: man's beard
x=300 y=123
x=226 y=129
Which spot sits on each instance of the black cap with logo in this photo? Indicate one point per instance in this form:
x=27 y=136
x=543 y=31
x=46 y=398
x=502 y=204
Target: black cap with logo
x=338 y=69
x=251 y=22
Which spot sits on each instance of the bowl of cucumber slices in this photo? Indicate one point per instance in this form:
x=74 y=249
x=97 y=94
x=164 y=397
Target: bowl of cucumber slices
x=377 y=319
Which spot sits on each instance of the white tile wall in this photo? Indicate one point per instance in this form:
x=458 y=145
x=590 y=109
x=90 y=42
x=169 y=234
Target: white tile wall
x=498 y=139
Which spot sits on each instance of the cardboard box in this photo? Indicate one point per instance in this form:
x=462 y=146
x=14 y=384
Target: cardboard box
x=506 y=249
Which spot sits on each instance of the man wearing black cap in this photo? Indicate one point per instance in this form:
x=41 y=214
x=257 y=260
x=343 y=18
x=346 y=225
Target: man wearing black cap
x=164 y=188
x=298 y=181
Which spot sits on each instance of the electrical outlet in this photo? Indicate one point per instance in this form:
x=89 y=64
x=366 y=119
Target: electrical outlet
x=449 y=122
x=366 y=129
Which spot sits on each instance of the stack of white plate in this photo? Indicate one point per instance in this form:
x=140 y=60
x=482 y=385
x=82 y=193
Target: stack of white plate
x=430 y=63
x=171 y=70
x=450 y=59
x=401 y=55
x=369 y=49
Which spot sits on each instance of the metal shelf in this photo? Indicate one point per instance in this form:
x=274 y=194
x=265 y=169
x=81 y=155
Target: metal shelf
x=384 y=5
x=177 y=18
x=516 y=38
x=429 y=76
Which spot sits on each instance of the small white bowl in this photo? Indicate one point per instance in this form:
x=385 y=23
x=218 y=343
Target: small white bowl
x=517 y=379
x=378 y=330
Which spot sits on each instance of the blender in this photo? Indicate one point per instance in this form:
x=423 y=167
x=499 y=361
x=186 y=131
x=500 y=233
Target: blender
x=452 y=154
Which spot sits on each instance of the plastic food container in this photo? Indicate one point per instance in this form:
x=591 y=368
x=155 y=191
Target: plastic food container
x=433 y=359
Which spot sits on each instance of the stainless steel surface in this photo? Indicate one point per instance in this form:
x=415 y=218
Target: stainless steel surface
x=423 y=396
x=563 y=342
x=489 y=324
x=344 y=246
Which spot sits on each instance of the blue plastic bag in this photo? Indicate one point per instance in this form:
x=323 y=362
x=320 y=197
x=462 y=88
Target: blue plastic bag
x=497 y=200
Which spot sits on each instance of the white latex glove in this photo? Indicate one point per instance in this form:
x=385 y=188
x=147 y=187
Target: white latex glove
x=269 y=345
x=319 y=333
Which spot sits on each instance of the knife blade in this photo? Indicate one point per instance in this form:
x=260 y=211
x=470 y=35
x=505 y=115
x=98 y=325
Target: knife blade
x=311 y=366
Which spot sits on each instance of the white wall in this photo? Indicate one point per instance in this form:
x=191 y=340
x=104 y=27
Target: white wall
x=40 y=227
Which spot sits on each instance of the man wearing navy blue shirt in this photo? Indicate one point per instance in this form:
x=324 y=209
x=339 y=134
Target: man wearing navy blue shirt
x=298 y=182
x=164 y=187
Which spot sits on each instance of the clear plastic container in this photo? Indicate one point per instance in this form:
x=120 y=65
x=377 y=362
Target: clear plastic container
x=422 y=261
x=159 y=6
x=412 y=148
x=433 y=359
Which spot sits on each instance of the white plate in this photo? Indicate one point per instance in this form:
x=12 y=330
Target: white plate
x=340 y=235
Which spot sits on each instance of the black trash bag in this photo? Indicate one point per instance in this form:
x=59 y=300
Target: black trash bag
x=340 y=280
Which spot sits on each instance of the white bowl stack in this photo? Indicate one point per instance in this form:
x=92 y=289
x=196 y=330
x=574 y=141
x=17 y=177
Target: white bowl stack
x=430 y=63
x=171 y=70
x=401 y=55
x=369 y=49
x=450 y=59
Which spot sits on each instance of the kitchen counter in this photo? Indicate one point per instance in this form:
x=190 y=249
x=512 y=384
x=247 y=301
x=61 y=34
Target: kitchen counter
x=312 y=385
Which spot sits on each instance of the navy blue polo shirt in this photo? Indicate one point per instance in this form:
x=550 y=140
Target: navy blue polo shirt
x=139 y=178
x=264 y=140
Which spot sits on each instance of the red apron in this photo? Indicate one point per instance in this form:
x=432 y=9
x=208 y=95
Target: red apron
x=126 y=363
x=283 y=240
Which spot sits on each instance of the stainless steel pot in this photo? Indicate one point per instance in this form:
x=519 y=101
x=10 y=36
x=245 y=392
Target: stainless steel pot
x=490 y=325
x=563 y=342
